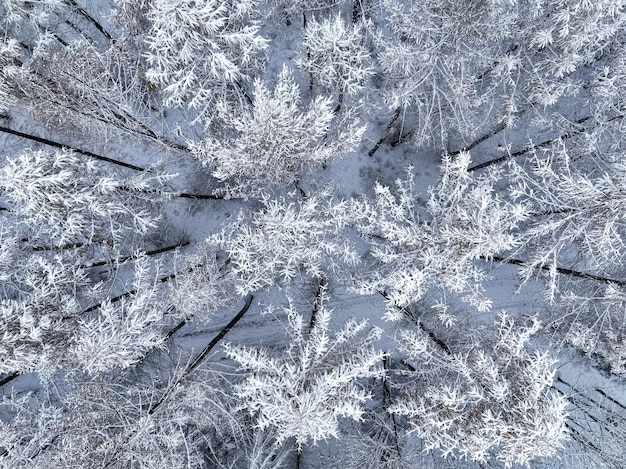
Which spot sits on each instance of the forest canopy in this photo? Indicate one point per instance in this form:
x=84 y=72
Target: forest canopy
x=312 y=233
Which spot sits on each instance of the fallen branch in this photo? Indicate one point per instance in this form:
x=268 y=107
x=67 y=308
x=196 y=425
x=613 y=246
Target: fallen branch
x=174 y=330
x=185 y=195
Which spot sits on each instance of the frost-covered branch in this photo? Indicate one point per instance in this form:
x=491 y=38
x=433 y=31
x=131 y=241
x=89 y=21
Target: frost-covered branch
x=573 y=209
x=335 y=55
x=201 y=53
x=76 y=200
x=286 y=238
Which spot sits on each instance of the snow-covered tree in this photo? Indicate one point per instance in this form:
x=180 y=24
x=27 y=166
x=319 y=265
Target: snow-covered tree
x=459 y=62
x=132 y=17
x=70 y=198
x=570 y=208
x=118 y=334
x=335 y=55
x=203 y=53
x=109 y=422
x=62 y=210
x=204 y=284
x=9 y=51
x=85 y=88
x=45 y=324
x=41 y=285
x=417 y=245
x=185 y=81
x=19 y=14
x=484 y=400
x=602 y=133
x=35 y=299
x=285 y=239
x=304 y=390
x=299 y=7
x=277 y=140
x=564 y=36
x=65 y=77
x=591 y=316
x=28 y=426
x=435 y=58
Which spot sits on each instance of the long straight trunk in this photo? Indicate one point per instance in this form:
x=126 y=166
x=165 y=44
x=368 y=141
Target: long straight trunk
x=543 y=144
x=54 y=144
x=8 y=378
x=91 y=19
x=123 y=259
x=382 y=139
x=560 y=270
x=499 y=128
x=386 y=403
x=115 y=299
x=534 y=147
x=200 y=358
x=317 y=303
x=440 y=343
